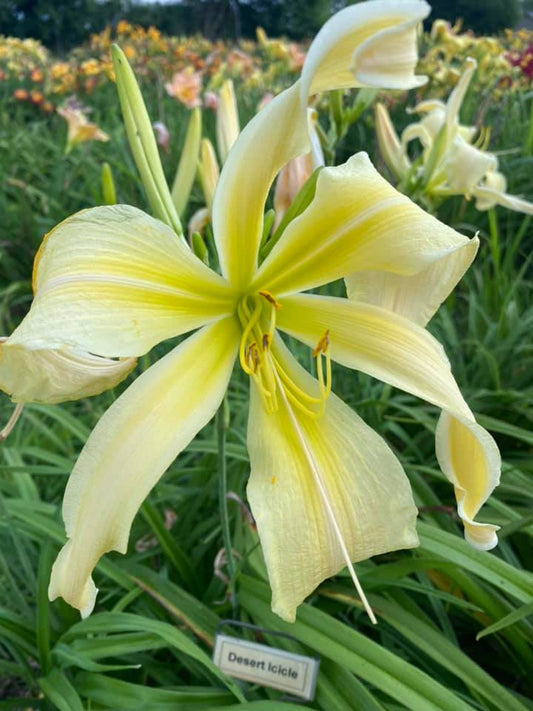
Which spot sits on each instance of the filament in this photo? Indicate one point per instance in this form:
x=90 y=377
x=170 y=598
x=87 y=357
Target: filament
x=315 y=471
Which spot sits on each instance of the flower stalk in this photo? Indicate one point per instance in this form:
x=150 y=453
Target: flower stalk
x=221 y=427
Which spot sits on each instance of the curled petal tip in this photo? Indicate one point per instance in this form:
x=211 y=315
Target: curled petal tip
x=68 y=581
x=482 y=536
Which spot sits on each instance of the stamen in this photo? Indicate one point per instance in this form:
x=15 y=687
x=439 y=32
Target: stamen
x=289 y=382
x=4 y=434
x=252 y=320
x=322 y=349
x=329 y=509
x=271 y=300
x=322 y=346
x=257 y=360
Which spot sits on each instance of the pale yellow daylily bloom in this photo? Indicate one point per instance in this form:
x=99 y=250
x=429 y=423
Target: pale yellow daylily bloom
x=113 y=281
x=458 y=166
x=80 y=129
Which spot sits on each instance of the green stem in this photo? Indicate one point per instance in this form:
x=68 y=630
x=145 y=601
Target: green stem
x=222 y=499
x=494 y=242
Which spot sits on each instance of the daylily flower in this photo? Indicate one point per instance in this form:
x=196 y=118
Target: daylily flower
x=451 y=164
x=325 y=489
x=80 y=129
x=186 y=86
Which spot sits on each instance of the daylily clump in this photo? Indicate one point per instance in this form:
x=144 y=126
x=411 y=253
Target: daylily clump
x=454 y=159
x=324 y=488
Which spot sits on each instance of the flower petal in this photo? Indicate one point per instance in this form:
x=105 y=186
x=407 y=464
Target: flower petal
x=352 y=49
x=419 y=296
x=370 y=44
x=465 y=165
x=469 y=457
x=487 y=197
x=114 y=281
x=356 y=221
x=49 y=376
x=130 y=448
x=399 y=352
x=271 y=139
x=456 y=98
x=375 y=341
x=358 y=471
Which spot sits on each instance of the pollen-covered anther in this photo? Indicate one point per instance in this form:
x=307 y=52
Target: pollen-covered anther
x=322 y=346
x=271 y=299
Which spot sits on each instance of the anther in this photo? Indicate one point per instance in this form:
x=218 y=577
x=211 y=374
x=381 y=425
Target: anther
x=271 y=300
x=322 y=346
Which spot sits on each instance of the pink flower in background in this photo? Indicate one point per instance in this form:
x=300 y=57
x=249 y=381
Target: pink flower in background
x=186 y=87
x=296 y=56
x=211 y=100
x=162 y=136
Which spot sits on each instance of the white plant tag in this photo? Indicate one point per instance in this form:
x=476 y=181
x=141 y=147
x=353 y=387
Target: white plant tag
x=267 y=666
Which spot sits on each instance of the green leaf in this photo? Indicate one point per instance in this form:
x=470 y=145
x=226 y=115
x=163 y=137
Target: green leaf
x=491 y=423
x=184 y=607
x=486 y=565
x=171 y=549
x=353 y=651
x=118 y=694
x=110 y=622
x=515 y=616
x=436 y=646
x=43 y=609
x=58 y=689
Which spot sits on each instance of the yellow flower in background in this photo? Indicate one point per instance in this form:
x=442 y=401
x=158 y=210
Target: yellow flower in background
x=80 y=129
x=325 y=489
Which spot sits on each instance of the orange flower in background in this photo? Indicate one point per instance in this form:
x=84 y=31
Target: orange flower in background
x=186 y=87
x=36 y=97
x=20 y=94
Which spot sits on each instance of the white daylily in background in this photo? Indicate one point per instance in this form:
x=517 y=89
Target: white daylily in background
x=452 y=164
x=324 y=489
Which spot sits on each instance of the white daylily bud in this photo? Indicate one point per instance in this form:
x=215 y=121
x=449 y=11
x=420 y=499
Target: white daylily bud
x=390 y=146
x=227 y=120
